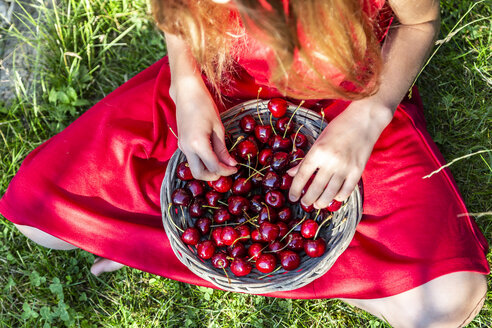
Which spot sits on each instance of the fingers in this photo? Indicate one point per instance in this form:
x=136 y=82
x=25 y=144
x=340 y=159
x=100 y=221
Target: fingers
x=198 y=169
x=220 y=148
x=329 y=192
x=304 y=173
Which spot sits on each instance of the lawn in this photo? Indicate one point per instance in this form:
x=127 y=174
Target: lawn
x=76 y=52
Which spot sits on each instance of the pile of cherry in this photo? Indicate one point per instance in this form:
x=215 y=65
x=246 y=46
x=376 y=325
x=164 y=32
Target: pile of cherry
x=246 y=220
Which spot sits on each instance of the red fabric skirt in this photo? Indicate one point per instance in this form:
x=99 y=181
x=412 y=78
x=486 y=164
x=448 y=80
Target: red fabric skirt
x=96 y=185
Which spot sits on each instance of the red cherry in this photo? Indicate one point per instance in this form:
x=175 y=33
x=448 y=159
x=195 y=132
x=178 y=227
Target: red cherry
x=266 y=263
x=263 y=133
x=269 y=231
x=205 y=249
x=238 y=205
x=220 y=261
x=229 y=235
x=309 y=228
x=283 y=229
x=283 y=124
x=240 y=267
x=296 y=157
x=242 y=186
x=294 y=224
x=196 y=187
x=276 y=246
x=244 y=231
x=315 y=248
x=295 y=241
x=191 y=236
x=247 y=123
x=237 y=250
x=222 y=184
x=265 y=156
x=212 y=198
x=217 y=236
x=183 y=171
x=181 y=197
x=299 y=140
x=267 y=214
x=247 y=149
x=275 y=198
x=203 y=225
x=255 y=236
x=278 y=107
x=257 y=179
x=196 y=208
x=271 y=180
x=256 y=204
x=285 y=214
x=280 y=143
x=334 y=206
x=255 y=250
x=221 y=215
x=286 y=181
x=289 y=260
x=280 y=160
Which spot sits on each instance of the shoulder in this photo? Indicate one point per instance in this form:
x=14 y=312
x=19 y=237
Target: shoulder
x=415 y=11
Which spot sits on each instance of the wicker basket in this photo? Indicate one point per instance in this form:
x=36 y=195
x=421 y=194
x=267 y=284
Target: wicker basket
x=338 y=232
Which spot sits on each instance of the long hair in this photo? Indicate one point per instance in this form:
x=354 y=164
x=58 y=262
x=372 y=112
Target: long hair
x=320 y=48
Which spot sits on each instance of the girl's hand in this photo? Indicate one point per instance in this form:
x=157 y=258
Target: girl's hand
x=200 y=132
x=340 y=154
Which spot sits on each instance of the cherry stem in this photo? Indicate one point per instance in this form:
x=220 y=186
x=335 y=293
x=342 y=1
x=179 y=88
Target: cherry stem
x=321 y=224
x=317 y=214
x=257 y=102
x=297 y=159
x=227 y=276
x=291 y=116
x=171 y=129
x=224 y=225
x=268 y=274
x=238 y=239
x=182 y=215
x=235 y=143
x=262 y=169
x=279 y=250
x=292 y=229
x=171 y=218
x=252 y=168
x=261 y=250
x=295 y=136
x=271 y=124
x=214 y=207
x=222 y=202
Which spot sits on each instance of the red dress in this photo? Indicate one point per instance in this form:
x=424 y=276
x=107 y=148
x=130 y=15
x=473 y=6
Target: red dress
x=96 y=185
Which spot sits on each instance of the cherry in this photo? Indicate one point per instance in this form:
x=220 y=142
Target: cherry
x=263 y=133
x=196 y=208
x=196 y=187
x=278 y=107
x=242 y=186
x=247 y=149
x=241 y=219
x=181 y=197
x=334 y=206
x=265 y=156
x=240 y=267
x=286 y=181
x=309 y=228
x=280 y=160
x=275 y=198
x=294 y=224
x=247 y=123
x=269 y=231
x=229 y=235
x=237 y=250
x=315 y=248
x=271 y=180
x=221 y=215
x=307 y=208
x=255 y=204
x=257 y=179
x=205 y=249
x=276 y=246
x=222 y=184
x=266 y=263
x=296 y=157
x=299 y=140
x=280 y=143
x=289 y=260
x=295 y=242
x=220 y=261
x=255 y=236
x=203 y=225
x=212 y=198
x=244 y=231
x=238 y=205
x=191 y=236
x=267 y=214
x=285 y=214
x=255 y=250
x=283 y=229
x=284 y=126
x=217 y=236
x=183 y=171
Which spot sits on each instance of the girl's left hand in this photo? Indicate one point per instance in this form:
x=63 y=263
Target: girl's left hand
x=340 y=154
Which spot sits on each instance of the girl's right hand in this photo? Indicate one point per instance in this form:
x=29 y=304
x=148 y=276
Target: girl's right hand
x=201 y=135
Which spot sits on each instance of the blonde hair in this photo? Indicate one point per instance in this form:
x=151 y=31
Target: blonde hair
x=322 y=48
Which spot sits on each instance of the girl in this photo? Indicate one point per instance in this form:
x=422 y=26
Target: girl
x=96 y=185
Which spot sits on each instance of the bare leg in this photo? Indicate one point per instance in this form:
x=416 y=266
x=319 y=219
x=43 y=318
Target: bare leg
x=44 y=239
x=452 y=300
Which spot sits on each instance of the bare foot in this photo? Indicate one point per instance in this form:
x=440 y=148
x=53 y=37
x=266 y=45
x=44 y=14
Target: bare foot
x=102 y=265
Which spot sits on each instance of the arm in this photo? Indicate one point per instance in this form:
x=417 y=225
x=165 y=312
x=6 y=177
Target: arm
x=200 y=130
x=347 y=142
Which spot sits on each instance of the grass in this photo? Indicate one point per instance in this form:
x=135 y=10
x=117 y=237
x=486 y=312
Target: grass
x=84 y=50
